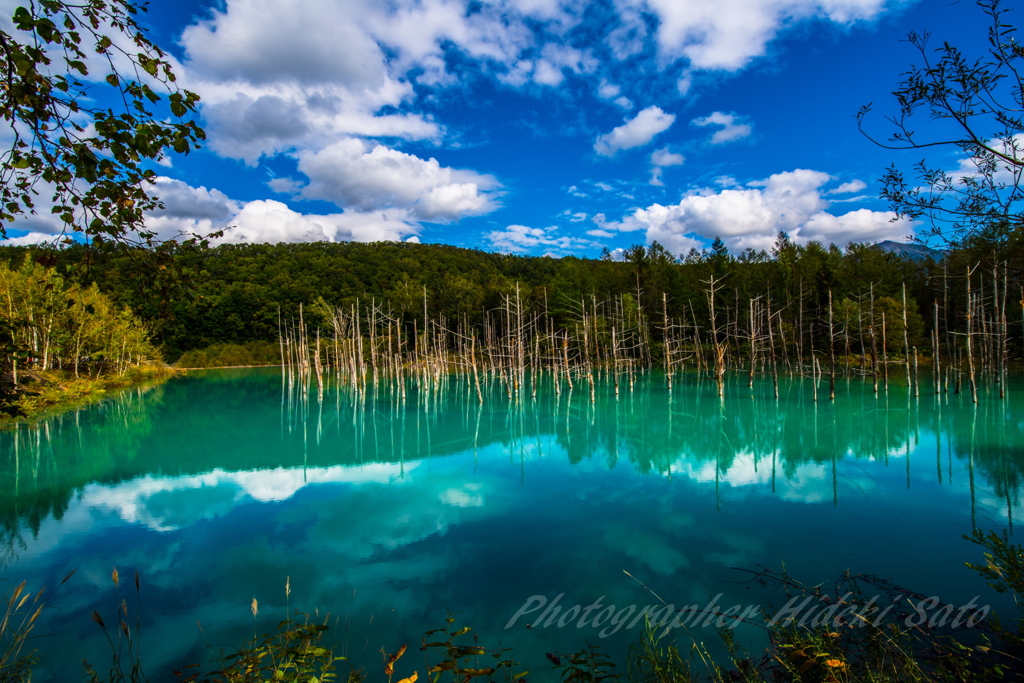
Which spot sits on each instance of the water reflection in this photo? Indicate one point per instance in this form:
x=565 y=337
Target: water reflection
x=221 y=430
x=388 y=506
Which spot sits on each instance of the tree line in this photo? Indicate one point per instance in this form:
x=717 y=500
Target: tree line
x=847 y=304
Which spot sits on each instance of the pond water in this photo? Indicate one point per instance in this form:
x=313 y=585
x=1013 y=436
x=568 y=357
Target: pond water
x=388 y=514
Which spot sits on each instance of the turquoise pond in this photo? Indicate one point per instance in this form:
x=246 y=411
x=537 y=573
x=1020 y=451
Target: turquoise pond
x=387 y=514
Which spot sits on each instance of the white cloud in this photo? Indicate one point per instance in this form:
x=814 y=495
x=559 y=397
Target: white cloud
x=636 y=132
x=861 y=225
x=253 y=123
x=181 y=200
x=752 y=216
x=274 y=81
x=730 y=129
x=659 y=160
x=314 y=42
x=520 y=238
x=728 y=34
x=200 y=211
x=150 y=501
x=608 y=91
x=358 y=175
x=664 y=157
x=684 y=83
x=628 y=38
x=559 y=58
x=549 y=69
x=271 y=221
x=848 y=188
x=28 y=239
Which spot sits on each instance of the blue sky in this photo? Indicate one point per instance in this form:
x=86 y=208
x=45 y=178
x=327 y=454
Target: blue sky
x=540 y=126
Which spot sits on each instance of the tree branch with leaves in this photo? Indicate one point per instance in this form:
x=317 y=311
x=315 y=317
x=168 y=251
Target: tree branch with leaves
x=88 y=141
x=976 y=106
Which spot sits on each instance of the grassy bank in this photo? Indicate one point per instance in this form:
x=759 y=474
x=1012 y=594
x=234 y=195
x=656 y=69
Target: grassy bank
x=40 y=394
x=249 y=354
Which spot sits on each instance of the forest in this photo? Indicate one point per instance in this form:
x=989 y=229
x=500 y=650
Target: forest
x=791 y=305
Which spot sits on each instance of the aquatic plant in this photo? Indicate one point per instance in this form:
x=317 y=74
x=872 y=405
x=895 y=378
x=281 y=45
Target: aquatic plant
x=840 y=634
x=20 y=614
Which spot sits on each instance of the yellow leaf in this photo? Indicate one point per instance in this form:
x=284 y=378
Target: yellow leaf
x=410 y=679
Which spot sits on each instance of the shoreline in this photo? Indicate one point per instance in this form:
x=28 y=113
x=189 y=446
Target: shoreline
x=59 y=394
x=230 y=367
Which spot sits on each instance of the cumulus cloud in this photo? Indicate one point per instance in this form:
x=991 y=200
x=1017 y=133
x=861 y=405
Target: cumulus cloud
x=636 y=132
x=201 y=211
x=310 y=81
x=609 y=91
x=520 y=238
x=664 y=157
x=272 y=81
x=557 y=59
x=181 y=200
x=752 y=216
x=659 y=160
x=628 y=38
x=730 y=129
x=29 y=239
x=257 y=122
x=849 y=188
x=355 y=174
x=728 y=34
x=164 y=503
x=271 y=221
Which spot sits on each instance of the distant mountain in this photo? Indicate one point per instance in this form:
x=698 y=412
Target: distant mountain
x=916 y=252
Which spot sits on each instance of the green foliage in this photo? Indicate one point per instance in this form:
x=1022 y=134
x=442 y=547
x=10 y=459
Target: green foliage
x=589 y=664
x=1004 y=563
x=51 y=323
x=651 y=660
x=293 y=653
x=238 y=291
x=91 y=159
x=231 y=355
x=41 y=393
x=461 y=663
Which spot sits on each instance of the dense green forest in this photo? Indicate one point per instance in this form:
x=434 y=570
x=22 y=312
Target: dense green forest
x=239 y=294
